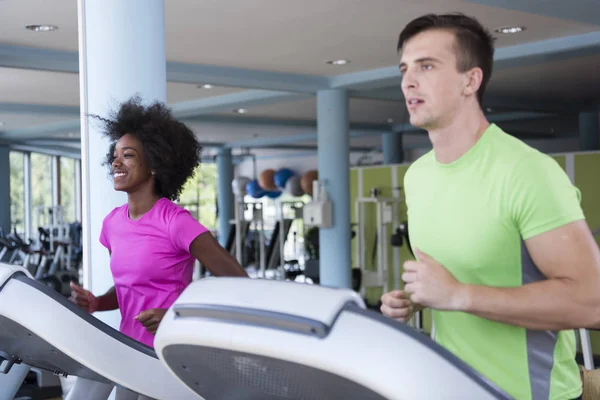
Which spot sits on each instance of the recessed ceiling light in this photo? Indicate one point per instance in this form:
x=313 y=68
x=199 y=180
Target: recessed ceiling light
x=510 y=29
x=389 y=120
x=338 y=62
x=205 y=86
x=1 y=123
x=41 y=28
x=488 y=109
x=240 y=111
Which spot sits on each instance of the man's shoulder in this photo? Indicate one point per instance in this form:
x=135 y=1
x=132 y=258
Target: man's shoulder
x=511 y=148
x=521 y=159
x=512 y=157
x=421 y=165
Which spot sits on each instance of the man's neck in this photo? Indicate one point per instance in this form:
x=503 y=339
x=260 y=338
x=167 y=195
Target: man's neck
x=140 y=202
x=454 y=140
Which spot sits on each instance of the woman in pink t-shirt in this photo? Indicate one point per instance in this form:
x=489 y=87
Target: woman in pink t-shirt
x=153 y=242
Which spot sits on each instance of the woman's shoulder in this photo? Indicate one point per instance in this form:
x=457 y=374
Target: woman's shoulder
x=115 y=212
x=170 y=206
x=169 y=212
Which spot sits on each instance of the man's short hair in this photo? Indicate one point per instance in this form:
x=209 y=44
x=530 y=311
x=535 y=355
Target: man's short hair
x=474 y=43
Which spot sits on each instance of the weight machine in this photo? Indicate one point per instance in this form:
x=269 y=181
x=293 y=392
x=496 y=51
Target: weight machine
x=387 y=213
x=247 y=217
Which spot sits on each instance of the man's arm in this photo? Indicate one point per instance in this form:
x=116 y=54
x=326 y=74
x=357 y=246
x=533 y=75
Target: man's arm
x=570 y=297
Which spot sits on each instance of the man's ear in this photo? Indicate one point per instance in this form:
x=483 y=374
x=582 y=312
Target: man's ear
x=473 y=79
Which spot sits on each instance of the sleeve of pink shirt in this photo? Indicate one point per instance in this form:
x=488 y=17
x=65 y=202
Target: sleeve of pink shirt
x=103 y=236
x=183 y=229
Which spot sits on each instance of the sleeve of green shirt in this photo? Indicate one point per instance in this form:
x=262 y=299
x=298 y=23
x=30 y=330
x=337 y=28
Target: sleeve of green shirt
x=541 y=196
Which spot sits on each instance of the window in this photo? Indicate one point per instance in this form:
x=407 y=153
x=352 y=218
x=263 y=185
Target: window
x=67 y=189
x=199 y=195
x=17 y=192
x=41 y=188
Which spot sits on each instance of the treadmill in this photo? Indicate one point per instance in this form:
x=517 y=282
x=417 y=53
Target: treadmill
x=258 y=339
x=41 y=329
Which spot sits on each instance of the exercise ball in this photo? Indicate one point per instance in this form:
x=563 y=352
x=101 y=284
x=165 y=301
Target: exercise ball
x=273 y=194
x=307 y=181
x=254 y=189
x=238 y=186
x=265 y=179
x=293 y=186
x=282 y=176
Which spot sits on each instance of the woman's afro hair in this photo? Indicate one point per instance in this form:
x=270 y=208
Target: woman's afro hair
x=170 y=148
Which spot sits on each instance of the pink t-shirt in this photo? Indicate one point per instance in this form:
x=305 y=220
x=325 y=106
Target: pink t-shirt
x=150 y=260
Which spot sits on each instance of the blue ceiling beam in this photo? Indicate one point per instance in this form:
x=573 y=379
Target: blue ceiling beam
x=245 y=78
x=311 y=153
x=13 y=56
x=230 y=102
x=184 y=109
x=356 y=130
x=68 y=144
x=550 y=50
x=272 y=141
x=507 y=57
x=46 y=131
x=587 y=12
x=533 y=104
x=489 y=101
x=20 y=108
x=42 y=131
x=500 y=117
x=59 y=151
x=368 y=80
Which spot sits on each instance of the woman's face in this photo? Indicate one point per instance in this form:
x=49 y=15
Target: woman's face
x=129 y=167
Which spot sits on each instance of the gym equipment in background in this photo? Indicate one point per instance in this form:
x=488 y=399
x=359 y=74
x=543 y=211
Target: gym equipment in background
x=237 y=338
x=54 y=257
x=41 y=329
x=266 y=180
x=400 y=237
x=387 y=214
x=306 y=182
x=254 y=190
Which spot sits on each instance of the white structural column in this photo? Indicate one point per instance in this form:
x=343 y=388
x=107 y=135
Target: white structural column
x=121 y=54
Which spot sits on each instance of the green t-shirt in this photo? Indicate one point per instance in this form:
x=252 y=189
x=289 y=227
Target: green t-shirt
x=473 y=216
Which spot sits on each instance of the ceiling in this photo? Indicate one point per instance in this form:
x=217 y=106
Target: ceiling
x=268 y=56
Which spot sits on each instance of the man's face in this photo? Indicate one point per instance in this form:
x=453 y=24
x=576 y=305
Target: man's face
x=432 y=86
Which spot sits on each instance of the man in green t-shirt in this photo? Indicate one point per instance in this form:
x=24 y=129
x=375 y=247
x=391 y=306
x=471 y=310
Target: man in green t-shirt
x=505 y=258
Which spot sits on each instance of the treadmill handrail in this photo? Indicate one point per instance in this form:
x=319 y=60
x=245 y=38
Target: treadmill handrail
x=95 y=322
x=252 y=316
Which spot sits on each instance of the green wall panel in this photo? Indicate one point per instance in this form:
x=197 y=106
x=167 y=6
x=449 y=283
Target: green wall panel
x=561 y=160
x=353 y=194
x=587 y=167
x=380 y=178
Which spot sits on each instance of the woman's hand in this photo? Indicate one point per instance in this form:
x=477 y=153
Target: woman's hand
x=83 y=298
x=151 y=318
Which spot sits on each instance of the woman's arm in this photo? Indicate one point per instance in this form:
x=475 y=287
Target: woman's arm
x=214 y=257
x=108 y=301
